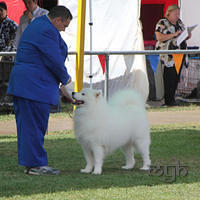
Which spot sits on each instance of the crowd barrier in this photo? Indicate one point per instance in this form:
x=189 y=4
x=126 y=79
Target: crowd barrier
x=5 y=67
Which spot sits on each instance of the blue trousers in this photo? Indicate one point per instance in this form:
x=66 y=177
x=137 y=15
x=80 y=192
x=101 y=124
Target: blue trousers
x=32 y=121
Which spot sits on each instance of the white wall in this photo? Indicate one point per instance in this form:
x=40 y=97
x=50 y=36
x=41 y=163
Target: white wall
x=190 y=14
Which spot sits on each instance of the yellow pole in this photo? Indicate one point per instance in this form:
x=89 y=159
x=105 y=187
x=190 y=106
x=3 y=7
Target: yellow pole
x=80 y=45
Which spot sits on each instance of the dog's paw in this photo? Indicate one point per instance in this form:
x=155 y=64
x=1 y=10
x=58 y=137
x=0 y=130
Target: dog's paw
x=145 y=168
x=97 y=172
x=86 y=171
x=127 y=167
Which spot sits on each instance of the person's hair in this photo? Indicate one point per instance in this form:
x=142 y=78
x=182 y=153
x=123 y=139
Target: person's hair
x=3 y=5
x=170 y=9
x=60 y=11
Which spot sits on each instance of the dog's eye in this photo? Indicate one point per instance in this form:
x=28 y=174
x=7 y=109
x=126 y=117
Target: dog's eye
x=83 y=94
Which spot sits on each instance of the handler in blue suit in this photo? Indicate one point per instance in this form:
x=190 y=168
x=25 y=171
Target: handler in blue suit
x=34 y=84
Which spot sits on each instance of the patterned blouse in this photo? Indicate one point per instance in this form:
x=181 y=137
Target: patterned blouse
x=165 y=27
x=8 y=30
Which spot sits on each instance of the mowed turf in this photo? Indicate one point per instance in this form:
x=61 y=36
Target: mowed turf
x=170 y=144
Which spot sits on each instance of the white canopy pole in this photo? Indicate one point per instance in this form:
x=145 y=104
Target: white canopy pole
x=90 y=24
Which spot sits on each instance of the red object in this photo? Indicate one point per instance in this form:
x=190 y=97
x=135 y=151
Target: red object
x=165 y=2
x=149 y=43
x=150 y=15
x=15 y=9
x=102 y=61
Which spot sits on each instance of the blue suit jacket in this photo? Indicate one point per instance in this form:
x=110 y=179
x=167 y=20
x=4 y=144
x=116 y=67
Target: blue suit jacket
x=39 y=65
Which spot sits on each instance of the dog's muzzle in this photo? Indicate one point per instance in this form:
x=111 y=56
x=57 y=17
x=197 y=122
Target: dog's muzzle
x=76 y=101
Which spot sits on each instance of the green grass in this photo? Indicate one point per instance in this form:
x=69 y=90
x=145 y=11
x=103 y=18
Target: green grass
x=66 y=109
x=169 y=143
x=6 y=117
x=181 y=107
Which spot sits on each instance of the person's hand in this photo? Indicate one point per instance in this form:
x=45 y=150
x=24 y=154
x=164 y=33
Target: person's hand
x=177 y=33
x=189 y=36
x=28 y=14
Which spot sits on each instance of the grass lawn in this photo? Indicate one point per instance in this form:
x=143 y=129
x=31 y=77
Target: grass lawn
x=169 y=144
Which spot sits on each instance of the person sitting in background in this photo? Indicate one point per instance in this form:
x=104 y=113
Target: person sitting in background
x=32 y=11
x=8 y=30
x=167 y=31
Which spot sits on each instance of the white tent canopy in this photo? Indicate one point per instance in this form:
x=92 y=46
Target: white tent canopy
x=190 y=14
x=116 y=27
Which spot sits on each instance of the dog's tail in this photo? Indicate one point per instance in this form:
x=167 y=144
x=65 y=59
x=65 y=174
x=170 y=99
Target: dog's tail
x=127 y=97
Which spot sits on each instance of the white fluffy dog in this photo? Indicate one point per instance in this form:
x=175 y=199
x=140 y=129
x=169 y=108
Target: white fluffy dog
x=102 y=127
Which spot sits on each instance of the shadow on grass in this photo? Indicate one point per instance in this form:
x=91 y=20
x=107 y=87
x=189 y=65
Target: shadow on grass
x=65 y=154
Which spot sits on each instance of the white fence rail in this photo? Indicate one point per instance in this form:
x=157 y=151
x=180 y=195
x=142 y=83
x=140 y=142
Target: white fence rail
x=109 y=53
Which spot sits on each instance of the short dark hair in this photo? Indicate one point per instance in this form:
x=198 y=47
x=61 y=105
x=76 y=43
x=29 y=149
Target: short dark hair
x=3 y=5
x=60 y=11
